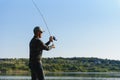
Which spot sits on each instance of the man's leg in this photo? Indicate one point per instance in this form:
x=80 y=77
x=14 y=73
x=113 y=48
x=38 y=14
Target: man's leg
x=33 y=75
x=40 y=73
x=33 y=71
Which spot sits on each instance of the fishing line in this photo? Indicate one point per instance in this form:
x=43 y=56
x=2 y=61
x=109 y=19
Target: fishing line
x=43 y=19
x=41 y=16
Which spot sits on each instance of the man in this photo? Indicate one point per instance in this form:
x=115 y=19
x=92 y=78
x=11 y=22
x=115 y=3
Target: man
x=36 y=48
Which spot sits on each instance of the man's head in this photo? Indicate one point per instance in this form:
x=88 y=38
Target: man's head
x=38 y=31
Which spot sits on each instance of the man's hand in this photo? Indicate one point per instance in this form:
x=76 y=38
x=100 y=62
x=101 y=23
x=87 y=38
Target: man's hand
x=53 y=46
x=51 y=39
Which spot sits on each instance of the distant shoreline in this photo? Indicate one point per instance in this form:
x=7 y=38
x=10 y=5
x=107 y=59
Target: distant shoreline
x=58 y=64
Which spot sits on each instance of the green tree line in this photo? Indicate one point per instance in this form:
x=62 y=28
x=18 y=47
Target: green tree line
x=59 y=64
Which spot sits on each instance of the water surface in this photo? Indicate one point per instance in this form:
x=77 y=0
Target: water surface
x=70 y=76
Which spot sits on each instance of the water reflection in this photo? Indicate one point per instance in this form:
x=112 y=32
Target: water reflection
x=86 y=74
x=70 y=76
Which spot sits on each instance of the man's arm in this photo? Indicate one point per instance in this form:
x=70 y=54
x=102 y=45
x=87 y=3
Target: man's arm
x=47 y=43
x=43 y=46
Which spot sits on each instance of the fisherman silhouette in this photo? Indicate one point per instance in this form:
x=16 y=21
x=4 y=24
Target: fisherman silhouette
x=36 y=48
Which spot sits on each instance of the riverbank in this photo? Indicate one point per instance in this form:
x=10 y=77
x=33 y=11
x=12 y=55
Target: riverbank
x=59 y=64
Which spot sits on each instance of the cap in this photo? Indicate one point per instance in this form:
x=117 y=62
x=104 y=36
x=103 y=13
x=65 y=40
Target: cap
x=37 y=28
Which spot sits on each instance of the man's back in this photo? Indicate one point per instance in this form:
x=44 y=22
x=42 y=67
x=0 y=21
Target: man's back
x=35 y=50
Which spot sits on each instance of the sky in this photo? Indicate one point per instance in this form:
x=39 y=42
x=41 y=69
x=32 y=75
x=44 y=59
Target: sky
x=84 y=28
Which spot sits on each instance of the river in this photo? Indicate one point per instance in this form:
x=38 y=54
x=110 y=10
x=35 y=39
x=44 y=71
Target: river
x=69 y=76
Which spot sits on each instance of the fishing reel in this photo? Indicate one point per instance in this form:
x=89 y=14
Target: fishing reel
x=54 y=38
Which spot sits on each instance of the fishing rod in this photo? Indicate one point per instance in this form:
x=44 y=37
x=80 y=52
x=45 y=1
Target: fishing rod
x=54 y=38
